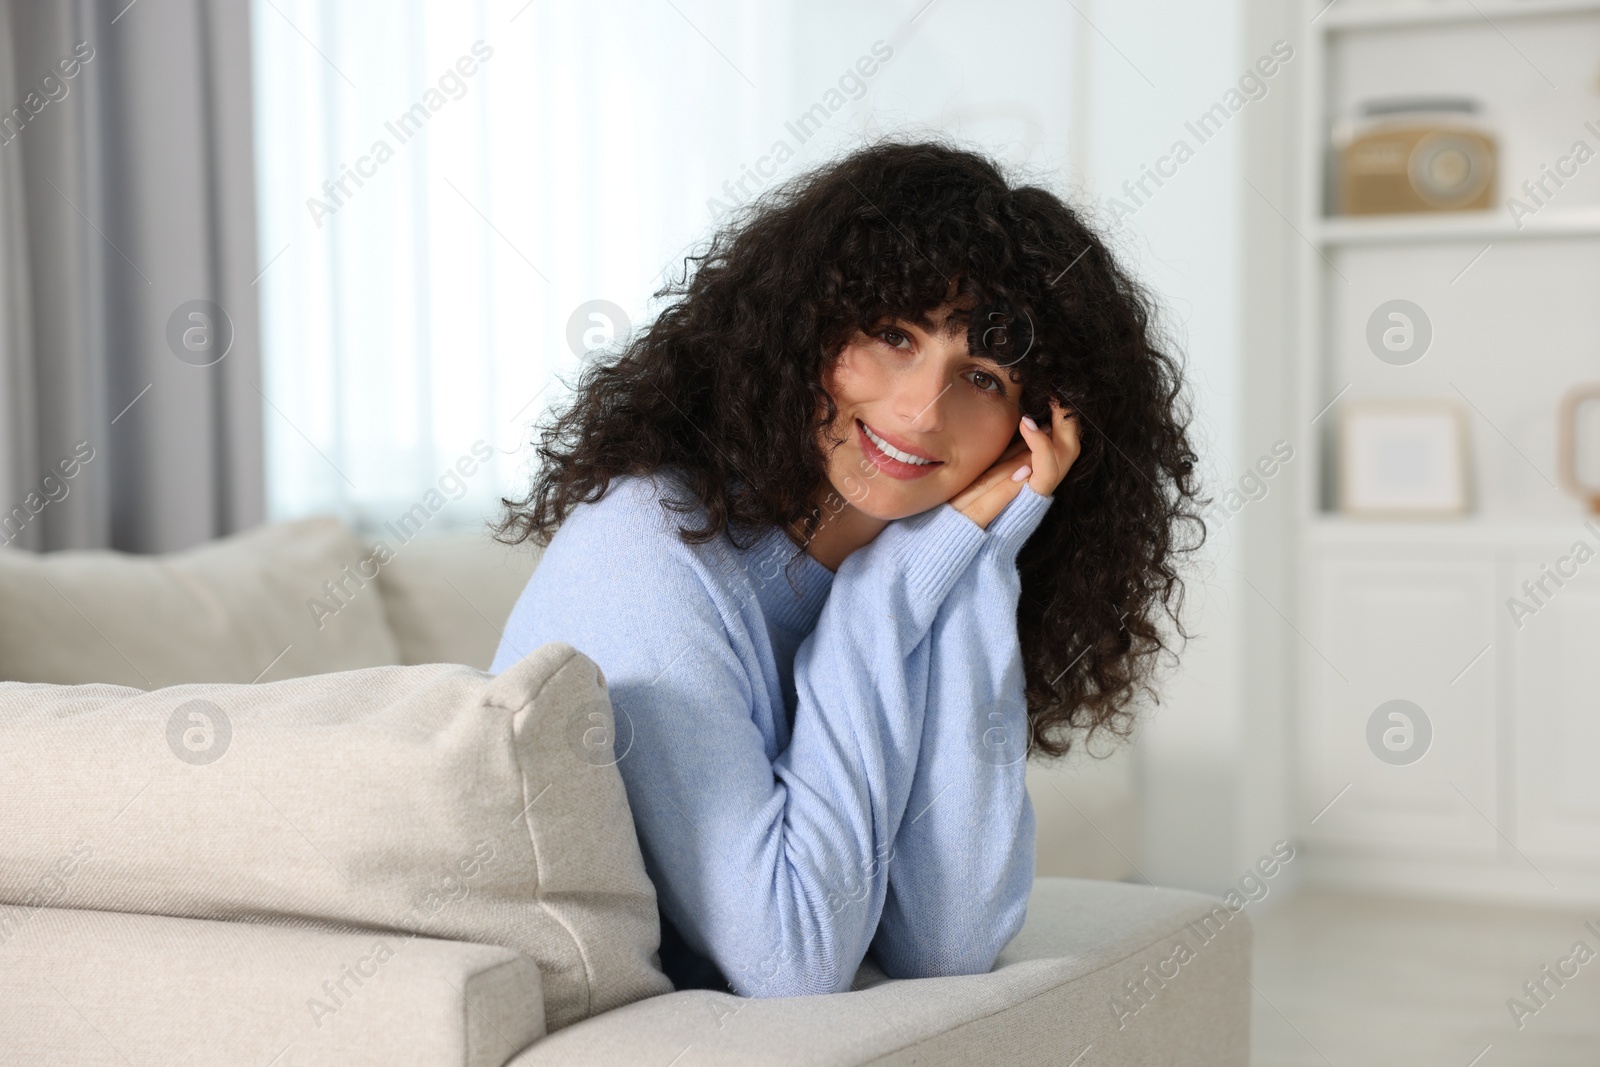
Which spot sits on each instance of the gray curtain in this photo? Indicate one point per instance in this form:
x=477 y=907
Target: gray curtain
x=130 y=404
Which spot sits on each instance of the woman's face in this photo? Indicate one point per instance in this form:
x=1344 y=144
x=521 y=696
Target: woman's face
x=916 y=387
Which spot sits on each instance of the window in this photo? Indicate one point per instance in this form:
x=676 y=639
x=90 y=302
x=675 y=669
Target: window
x=445 y=190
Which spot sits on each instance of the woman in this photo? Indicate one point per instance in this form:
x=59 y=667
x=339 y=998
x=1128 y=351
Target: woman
x=892 y=398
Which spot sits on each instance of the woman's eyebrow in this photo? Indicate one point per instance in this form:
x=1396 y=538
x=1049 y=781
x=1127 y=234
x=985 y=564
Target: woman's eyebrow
x=955 y=323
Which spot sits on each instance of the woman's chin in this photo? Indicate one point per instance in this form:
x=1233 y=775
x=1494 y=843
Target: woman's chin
x=890 y=504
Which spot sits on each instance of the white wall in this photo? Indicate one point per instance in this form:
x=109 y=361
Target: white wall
x=995 y=73
x=1211 y=757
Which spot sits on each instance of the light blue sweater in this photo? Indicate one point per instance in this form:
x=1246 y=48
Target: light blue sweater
x=813 y=770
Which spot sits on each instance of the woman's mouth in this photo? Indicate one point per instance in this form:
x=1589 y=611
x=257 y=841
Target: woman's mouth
x=894 y=462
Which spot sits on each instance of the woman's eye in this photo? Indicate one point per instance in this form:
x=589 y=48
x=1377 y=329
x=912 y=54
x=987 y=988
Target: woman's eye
x=998 y=388
x=892 y=338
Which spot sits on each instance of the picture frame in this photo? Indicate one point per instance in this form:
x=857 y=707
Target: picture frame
x=1579 y=446
x=1403 y=459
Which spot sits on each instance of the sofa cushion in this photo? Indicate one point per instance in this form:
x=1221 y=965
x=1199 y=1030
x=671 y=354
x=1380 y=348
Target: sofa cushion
x=1101 y=973
x=435 y=799
x=448 y=597
x=278 y=601
x=85 y=988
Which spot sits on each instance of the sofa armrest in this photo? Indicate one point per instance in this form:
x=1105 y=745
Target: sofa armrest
x=98 y=987
x=1096 y=964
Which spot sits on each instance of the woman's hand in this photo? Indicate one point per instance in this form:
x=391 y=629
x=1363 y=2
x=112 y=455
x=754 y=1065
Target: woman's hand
x=1045 y=453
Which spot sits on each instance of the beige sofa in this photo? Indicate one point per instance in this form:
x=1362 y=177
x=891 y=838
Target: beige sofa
x=270 y=904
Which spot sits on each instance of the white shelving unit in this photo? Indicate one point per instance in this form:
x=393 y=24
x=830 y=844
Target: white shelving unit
x=1474 y=226
x=1379 y=14
x=1506 y=802
x=1334 y=531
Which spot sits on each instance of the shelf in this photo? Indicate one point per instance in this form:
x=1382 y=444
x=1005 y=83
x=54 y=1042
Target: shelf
x=1491 y=226
x=1334 y=531
x=1343 y=15
x=1390 y=608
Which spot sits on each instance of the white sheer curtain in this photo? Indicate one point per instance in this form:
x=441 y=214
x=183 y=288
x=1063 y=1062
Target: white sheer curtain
x=426 y=305
x=567 y=153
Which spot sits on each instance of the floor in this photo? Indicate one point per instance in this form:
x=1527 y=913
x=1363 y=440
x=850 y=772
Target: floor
x=1371 y=981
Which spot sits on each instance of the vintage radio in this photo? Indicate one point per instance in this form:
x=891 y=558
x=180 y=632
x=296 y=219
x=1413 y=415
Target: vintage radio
x=1415 y=154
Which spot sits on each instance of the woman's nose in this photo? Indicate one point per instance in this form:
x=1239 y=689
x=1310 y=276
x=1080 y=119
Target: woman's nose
x=920 y=393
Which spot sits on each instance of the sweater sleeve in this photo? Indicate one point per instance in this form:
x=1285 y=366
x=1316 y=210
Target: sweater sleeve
x=961 y=868
x=767 y=866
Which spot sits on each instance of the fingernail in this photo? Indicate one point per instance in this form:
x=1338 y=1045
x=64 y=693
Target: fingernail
x=1022 y=472
x=1030 y=424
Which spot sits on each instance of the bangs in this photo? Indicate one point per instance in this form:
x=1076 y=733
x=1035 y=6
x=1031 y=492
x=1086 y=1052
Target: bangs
x=995 y=328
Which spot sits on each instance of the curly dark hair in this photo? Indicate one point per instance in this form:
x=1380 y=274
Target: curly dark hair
x=725 y=385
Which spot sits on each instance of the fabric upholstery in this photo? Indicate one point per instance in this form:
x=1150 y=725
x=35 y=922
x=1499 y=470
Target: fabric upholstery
x=448 y=597
x=433 y=798
x=91 y=988
x=235 y=610
x=1061 y=987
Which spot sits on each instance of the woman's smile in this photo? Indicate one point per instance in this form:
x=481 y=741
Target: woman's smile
x=897 y=459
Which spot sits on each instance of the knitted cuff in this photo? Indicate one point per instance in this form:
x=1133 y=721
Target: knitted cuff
x=1016 y=522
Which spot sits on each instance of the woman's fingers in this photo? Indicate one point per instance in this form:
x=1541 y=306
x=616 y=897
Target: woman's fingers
x=1071 y=439
x=1054 y=448
x=998 y=471
x=991 y=500
x=1043 y=459
x=1045 y=453
x=992 y=491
